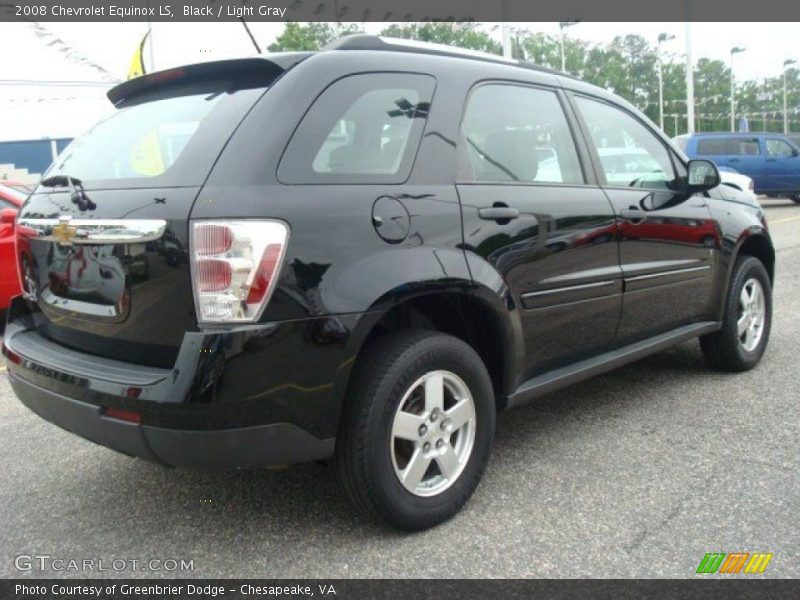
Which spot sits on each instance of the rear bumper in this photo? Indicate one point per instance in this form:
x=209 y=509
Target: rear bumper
x=278 y=443
x=261 y=395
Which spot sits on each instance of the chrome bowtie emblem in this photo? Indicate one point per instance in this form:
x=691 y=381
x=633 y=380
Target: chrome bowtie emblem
x=64 y=232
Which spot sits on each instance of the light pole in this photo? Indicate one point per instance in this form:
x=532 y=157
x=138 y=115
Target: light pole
x=734 y=50
x=689 y=80
x=786 y=63
x=662 y=37
x=562 y=26
x=504 y=29
x=506 y=33
x=515 y=43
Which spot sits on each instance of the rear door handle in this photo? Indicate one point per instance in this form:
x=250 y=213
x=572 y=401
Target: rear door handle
x=498 y=213
x=733 y=160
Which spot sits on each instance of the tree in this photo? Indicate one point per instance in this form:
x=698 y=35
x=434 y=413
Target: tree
x=674 y=98
x=628 y=66
x=461 y=35
x=310 y=36
x=712 y=90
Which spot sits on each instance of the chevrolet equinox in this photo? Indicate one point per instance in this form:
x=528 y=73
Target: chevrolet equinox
x=360 y=256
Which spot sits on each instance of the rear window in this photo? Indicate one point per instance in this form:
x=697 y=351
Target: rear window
x=162 y=138
x=362 y=129
x=712 y=146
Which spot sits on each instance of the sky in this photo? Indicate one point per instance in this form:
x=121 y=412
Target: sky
x=102 y=52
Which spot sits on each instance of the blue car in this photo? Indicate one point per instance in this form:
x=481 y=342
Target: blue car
x=771 y=160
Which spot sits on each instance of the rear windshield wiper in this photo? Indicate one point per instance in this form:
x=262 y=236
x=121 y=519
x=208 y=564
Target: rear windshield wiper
x=77 y=193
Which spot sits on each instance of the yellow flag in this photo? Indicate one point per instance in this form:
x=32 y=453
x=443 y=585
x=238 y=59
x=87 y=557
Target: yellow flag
x=137 y=62
x=146 y=158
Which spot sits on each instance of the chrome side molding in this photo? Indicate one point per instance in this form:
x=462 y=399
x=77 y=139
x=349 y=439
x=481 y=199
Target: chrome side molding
x=570 y=288
x=668 y=273
x=67 y=231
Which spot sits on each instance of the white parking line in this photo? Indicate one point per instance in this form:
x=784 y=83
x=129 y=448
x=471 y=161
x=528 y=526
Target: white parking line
x=784 y=220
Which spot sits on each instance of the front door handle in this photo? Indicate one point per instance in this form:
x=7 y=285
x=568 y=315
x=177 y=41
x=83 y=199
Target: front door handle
x=734 y=160
x=632 y=214
x=498 y=213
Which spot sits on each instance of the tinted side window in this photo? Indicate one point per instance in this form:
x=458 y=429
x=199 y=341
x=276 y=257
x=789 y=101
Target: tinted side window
x=518 y=133
x=744 y=146
x=712 y=146
x=779 y=148
x=362 y=129
x=630 y=154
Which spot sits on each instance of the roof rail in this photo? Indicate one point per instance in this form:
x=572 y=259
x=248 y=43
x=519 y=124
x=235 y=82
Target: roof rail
x=740 y=133
x=363 y=41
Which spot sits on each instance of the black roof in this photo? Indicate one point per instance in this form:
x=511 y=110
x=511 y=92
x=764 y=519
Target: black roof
x=363 y=41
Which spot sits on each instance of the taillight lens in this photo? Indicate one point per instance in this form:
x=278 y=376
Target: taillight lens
x=123 y=415
x=235 y=265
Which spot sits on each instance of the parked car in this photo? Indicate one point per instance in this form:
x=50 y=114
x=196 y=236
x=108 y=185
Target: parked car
x=376 y=264
x=737 y=181
x=17 y=186
x=770 y=159
x=10 y=202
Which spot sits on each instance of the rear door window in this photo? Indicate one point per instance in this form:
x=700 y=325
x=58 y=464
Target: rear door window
x=712 y=146
x=519 y=133
x=744 y=146
x=362 y=129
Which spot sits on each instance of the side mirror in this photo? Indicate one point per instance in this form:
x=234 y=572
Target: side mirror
x=8 y=215
x=703 y=176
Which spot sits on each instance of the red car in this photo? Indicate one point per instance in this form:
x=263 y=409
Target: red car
x=10 y=202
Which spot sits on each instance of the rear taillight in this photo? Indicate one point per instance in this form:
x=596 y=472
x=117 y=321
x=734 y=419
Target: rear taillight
x=11 y=355
x=234 y=267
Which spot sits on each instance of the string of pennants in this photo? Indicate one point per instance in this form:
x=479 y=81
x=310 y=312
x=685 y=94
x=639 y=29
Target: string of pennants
x=758 y=116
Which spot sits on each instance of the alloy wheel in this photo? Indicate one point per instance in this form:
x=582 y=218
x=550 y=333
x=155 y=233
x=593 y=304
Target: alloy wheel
x=752 y=314
x=433 y=433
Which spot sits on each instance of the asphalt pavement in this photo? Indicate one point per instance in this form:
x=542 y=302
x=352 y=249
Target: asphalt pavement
x=637 y=473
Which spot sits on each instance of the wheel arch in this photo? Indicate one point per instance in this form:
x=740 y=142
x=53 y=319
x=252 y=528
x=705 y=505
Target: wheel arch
x=757 y=245
x=469 y=311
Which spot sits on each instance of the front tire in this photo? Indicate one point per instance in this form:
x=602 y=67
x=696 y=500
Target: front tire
x=795 y=198
x=417 y=429
x=746 y=324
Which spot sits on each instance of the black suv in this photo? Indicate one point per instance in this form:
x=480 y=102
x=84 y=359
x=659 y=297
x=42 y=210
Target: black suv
x=362 y=255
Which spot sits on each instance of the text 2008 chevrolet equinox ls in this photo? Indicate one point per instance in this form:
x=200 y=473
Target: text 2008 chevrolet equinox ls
x=361 y=255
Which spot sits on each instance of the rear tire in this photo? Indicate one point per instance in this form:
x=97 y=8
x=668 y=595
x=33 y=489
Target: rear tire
x=747 y=320
x=795 y=198
x=417 y=429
